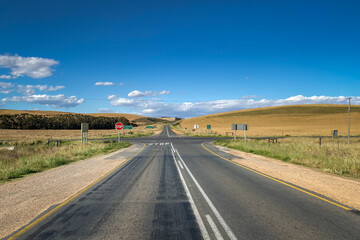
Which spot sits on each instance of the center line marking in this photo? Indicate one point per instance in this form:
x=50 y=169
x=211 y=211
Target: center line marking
x=200 y=222
x=211 y=205
x=180 y=165
x=213 y=227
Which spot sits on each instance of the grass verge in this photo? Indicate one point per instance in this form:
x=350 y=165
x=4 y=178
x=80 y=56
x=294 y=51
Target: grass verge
x=342 y=159
x=36 y=156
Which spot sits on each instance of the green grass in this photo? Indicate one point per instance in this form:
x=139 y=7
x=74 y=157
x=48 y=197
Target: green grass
x=342 y=159
x=37 y=156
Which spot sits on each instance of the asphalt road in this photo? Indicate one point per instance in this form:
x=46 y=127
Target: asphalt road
x=176 y=189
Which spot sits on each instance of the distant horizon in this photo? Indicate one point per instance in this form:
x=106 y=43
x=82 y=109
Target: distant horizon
x=344 y=105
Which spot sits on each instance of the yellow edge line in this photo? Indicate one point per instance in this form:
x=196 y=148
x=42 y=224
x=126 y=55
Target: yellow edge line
x=42 y=218
x=279 y=181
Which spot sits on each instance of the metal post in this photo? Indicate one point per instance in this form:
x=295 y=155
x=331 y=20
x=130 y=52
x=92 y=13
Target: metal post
x=235 y=135
x=349 y=120
x=244 y=135
x=118 y=135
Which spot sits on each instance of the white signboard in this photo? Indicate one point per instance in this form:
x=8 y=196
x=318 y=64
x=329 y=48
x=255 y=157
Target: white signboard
x=196 y=126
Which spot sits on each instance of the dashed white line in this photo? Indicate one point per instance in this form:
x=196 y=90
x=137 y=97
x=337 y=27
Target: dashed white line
x=211 y=205
x=213 y=227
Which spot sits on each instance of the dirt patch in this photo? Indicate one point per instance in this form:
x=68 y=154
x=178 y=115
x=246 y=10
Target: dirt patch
x=24 y=199
x=340 y=189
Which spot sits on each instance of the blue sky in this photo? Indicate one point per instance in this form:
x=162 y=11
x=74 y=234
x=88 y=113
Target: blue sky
x=177 y=58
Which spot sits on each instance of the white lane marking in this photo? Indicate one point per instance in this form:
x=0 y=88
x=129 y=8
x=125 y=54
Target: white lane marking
x=166 y=143
x=150 y=144
x=213 y=227
x=161 y=144
x=211 y=205
x=180 y=165
x=172 y=146
x=200 y=222
x=167 y=130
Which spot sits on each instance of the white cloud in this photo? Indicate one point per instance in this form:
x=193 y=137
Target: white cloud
x=122 y=101
x=105 y=110
x=30 y=89
x=56 y=101
x=5 y=85
x=192 y=109
x=5 y=77
x=104 y=84
x=137 y=93
x=33 y=67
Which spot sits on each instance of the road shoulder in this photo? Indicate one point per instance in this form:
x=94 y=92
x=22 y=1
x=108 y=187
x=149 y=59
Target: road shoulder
x=24 y=199
x=341 y=189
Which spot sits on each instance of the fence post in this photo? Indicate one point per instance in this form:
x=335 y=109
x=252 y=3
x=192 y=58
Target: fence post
x=320 y=141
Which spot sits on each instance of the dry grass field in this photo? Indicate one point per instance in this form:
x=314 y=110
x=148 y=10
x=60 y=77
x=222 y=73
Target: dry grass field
x=14 y=134
x=295 y=120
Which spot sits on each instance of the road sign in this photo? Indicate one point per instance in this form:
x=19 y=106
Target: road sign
x=119 y=126
x=335 y=133
x=208 y=127
x=128 y=127
x=149 y=127
x=196 y=126
x=240 y=127
x=243 y=127
x=84 y=127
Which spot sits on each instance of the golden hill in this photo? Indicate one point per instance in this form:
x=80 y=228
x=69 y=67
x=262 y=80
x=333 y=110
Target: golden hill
x=294 y=120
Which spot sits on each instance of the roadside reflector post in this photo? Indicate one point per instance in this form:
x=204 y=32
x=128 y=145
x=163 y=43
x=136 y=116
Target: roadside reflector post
x=320 y=141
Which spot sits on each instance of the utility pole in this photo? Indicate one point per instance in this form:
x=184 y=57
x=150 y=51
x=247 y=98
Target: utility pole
x=349 y=120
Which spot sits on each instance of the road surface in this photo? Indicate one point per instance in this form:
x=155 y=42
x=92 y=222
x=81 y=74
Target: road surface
x=176 y=188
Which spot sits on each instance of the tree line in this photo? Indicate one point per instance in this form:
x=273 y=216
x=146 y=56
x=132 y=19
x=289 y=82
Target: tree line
x=61 y=121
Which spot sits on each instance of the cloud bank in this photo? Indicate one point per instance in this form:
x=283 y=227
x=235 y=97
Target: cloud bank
x=104 y=84
x=136 y=93
x=193 y=109
x=33 y=67
x=56 y=101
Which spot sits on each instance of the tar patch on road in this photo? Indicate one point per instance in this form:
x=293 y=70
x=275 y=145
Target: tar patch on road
x=173 y=216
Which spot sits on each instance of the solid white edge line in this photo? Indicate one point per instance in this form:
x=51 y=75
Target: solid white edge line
x=200 y=222
x=211 y=205
x=213 y=227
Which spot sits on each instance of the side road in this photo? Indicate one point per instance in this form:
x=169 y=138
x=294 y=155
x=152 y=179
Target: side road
x=24 y=199
x=341 y=189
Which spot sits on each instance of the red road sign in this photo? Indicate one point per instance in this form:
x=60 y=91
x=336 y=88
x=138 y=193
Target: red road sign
x=119 y=126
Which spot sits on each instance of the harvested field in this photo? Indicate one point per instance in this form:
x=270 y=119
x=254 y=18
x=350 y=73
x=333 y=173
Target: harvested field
x=14 y=134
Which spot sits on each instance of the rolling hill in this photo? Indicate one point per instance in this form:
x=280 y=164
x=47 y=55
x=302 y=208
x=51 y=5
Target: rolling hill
x=293 y=120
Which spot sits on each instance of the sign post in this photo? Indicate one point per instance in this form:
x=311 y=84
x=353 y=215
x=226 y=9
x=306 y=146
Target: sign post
x=118 y=127
x=243 y=127
x=208 y=127
x=84 y=132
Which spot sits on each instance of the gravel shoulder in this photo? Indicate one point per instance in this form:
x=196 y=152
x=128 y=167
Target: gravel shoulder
x=24 y=199
x=341 y=189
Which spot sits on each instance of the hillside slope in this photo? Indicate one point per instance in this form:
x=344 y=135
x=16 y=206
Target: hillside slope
x=294 y=120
